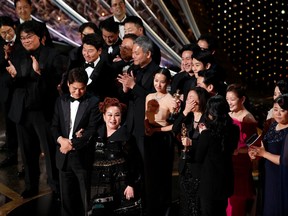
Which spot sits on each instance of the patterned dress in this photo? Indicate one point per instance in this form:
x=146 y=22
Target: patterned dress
x=276 y=178
x=114 y=168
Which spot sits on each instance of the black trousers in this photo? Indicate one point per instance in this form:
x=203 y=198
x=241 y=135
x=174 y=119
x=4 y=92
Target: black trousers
x=158 y=163
x=34 y=136
x=75 y=184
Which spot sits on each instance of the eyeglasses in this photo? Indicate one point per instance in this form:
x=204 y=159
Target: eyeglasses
x=4 y=33
x=28 y=37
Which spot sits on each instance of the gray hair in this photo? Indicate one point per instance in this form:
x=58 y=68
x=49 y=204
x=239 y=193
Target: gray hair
x=145 y=43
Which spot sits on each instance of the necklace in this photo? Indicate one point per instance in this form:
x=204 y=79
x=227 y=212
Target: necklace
x=159 y=98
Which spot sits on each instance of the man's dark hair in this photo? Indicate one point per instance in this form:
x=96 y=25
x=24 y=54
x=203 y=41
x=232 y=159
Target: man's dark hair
x=211 y=77
x=204 y=56
x=110 y=2
x=77 y=74
x=90 y=25
x=110 y=26
x=211 y=41
x=28 y=1
x=190 y=47
x=131 y=36
x=6 y=21
x=93 y=40
x=134 y=19
x=30 y=27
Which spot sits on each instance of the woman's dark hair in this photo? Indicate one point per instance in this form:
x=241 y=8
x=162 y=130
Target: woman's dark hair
x=217 y=118
x=282 y=100
x=203 y=97
x=165 y=72
x=283 y=86
x=90 y=25
x=240 y=92
x=108 y=102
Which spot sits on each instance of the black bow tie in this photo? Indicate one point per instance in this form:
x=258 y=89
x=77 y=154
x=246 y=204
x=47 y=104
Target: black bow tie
x=74 y=99
x=89 y=65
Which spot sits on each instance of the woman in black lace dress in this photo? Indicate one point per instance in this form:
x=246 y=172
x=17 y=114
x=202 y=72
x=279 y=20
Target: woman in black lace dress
x=115 y=173
x=189 y=170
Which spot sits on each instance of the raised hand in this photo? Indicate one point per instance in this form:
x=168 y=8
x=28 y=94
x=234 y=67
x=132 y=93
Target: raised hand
x=35 y=65
x=11 y=69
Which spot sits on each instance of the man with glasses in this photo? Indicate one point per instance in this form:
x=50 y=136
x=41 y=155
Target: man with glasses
x=23 y=10
x=35 y=71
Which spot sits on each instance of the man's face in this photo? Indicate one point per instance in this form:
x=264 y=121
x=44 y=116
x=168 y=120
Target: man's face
x=90 y=53
x=30 y=41
x=187 y=61
x=77 y=89
x=126 y=49
x=140 y=58
x=7 y=33
x=109 y=37
x=197 y=66
x=131 y=28
x=118 y=9
x=23 y=10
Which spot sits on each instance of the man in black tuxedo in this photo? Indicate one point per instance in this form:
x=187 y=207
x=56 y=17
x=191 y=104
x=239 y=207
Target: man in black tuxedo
x=74 y=125
x=118 y=9
x=110 y=34
x=75 y=57
x=23 y=10
x=35 y=71
x=9 y=44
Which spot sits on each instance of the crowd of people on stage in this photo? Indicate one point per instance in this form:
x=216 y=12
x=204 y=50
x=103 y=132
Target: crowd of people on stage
x=107 y=118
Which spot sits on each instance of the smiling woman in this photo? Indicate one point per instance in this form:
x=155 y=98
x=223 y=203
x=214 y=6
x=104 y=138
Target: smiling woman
x=244 y=191
x=115 y=178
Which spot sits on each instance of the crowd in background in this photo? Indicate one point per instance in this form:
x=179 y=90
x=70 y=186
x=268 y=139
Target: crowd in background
x=107 y=118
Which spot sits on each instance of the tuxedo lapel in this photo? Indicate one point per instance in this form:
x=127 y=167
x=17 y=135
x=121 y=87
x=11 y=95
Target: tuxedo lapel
x=66 y=113
x=80 y=112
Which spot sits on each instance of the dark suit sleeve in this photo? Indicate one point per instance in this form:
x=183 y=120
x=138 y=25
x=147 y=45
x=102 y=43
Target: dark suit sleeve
x=90 y=130
x=56 y=124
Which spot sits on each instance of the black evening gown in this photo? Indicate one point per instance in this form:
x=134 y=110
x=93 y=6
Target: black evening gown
x=114 y=168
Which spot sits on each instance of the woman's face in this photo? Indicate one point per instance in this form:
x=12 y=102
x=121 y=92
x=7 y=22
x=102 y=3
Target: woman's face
x=112 y=117
x=160 y=83
x=280 y=115
x=193 y=97
x=235 y=103
x=277 y=92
